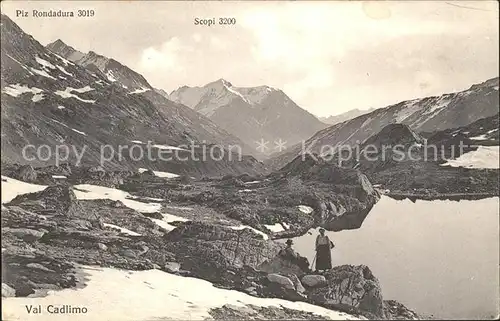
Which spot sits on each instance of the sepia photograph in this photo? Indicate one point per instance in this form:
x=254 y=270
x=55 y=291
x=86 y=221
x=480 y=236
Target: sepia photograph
x=250 y=160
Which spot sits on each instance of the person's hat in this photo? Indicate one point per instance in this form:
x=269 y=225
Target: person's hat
x=289 y=242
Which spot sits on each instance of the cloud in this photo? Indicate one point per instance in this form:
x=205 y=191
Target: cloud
x=164 y=57
x=323 y=54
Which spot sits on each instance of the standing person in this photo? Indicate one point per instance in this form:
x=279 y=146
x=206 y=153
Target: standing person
x=323 y=251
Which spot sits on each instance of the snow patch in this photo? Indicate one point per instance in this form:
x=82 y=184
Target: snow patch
x=168 y=218
x=67 y=93
x=167 y=147
x=13 y=187
x=159 y=174
x=64 y=60
x=242 y=227
x=252 y=182
x=483 y=157
x=122 y=229
x=120 y=295
x=18 y=89
x=110 y=76
x=61 y=107
x=237 y=93
x=148 y=198
x=137 y=141
x=44 y=63
x=366 y=122
x=408 y=109
x=37 y=97
x=138 y=91
x=246 y=190
x=305 y=209
x=81 y=90
x=42 y=73
x=92 y=192
x=79 y=132
x=64 y=70
x=58 y=176
x=480 y=137
x=63 y=124
x=276 y=228
x=440 y=104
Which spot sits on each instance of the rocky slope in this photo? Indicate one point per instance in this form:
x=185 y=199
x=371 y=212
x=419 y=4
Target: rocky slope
x=110 y=68
x=121 y=75
x=421 y=115
x=335 y=119
x=455 y=163
x=252 y=113
x=49 y=100
x=72 y=233
x=484 y=131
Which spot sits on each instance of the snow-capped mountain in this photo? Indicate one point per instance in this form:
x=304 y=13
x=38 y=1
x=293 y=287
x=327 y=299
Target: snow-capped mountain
x=428 y=114
x=65 y=51
x=484 y=131
x=252 y=113
x=335 y=119
x=50 y=100
x=110 y=68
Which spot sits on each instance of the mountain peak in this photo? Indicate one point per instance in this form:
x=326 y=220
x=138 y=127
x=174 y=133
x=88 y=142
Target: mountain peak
x=221 y=81
x=64 y=50
x=394 y=134
x=58 y=42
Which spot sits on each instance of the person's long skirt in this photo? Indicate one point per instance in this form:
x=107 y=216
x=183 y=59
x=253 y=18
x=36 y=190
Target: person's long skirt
x=323 y=257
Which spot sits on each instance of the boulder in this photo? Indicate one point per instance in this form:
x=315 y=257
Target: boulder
x=283 y=281
x=254 y=312
x=26 y=234
x=26 y=173
x=172 y=267
x=396 y=311
x=280 y=264
x=313 y=280
x=7 y=291
x=296 y=282
x=56 y=199
x=351 y=286
x=38 y=266
x=102 y=247
x=208 y=251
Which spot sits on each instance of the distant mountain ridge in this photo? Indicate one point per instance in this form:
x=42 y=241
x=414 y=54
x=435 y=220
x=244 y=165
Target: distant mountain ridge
x=250 y=113
x=428 y=114
x=335 y=119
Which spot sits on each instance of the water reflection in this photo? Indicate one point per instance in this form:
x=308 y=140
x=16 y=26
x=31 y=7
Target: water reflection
x=437 y=257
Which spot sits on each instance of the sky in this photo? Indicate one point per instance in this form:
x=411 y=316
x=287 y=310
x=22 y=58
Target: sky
x=328 y=56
